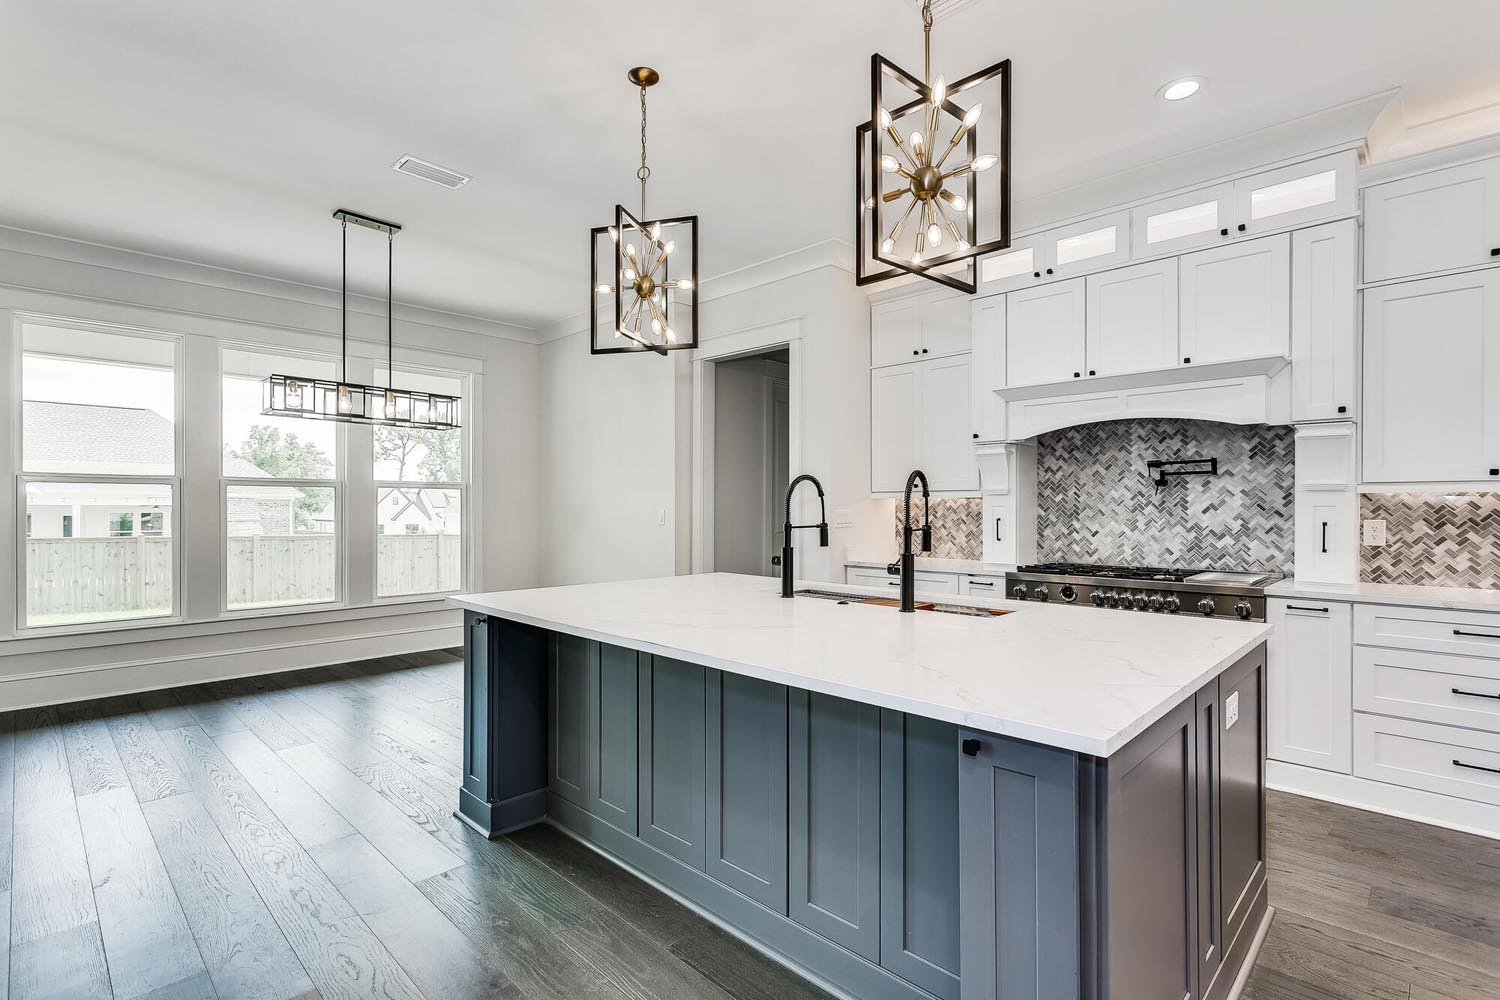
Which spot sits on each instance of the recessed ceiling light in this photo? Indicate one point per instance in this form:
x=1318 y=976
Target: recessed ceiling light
x=1179 y=90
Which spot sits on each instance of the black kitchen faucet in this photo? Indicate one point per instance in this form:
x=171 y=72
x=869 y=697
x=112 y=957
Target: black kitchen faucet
x=905 y=566
x=789 y=527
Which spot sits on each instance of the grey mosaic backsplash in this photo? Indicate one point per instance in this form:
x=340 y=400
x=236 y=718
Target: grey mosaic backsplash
x=1096 y=502
x=957 y=526
x=1433 y=539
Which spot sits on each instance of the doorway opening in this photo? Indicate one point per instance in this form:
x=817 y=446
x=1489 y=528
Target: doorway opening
x=751 y=449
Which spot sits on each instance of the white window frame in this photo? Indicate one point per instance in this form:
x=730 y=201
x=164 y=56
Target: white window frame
x=463 y=487
x=338 y=484
x=19 y=320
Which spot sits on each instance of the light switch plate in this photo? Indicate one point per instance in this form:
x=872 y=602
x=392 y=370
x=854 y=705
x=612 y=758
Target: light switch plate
x=843 y=517
x=1372 y=532
x=1231 y=710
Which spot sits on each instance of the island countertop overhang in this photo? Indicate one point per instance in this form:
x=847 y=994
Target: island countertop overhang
x=1082 y=680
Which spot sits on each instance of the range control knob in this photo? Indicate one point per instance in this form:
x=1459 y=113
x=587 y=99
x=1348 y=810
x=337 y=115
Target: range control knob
x=1039 y=592
x=1069 y=593
x=1242 y=609
x=1171 y=604
x=1206 y=607
x=1018 y=592
x=1154 y=602
x=1139 y=600
x=1111 y=599
x=1098 y=598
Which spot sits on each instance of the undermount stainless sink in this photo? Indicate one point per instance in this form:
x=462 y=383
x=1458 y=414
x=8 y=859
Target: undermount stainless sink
x=885 y=602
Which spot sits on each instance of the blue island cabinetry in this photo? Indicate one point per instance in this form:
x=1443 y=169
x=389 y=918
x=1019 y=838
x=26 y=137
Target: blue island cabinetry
x=888 y=855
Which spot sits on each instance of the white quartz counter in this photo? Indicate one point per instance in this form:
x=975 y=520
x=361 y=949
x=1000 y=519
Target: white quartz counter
x=940 y=565
x=1456 y=598
x=1083 y=679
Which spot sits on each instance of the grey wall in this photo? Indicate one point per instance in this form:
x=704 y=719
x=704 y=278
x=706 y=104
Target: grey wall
x=1095 y=502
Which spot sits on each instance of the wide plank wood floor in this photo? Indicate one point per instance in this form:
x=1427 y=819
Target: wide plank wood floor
x=292 y=837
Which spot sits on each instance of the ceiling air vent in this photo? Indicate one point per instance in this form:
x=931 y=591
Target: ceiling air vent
x=942 y=9
x=451 y=179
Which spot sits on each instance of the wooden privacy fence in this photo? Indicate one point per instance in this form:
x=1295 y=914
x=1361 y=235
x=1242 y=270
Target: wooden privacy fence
x=103 y=576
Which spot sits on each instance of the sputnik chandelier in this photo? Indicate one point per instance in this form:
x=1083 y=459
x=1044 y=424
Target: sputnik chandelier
x=646 y=269
x=919 y=165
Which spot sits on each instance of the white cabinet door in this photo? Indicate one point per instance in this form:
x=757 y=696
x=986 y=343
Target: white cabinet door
x=945 y=324
x=1323 y=332
x=1088 y=246
x=946 y=453
x=1022 y=265
x=1432 y=379
x=1132 y=319
x=1327 y=536
x=1309 y=718
x=1236 y=301
x=987 y=368
x=895 y=415
x=1298 y=195
x=1432 y=222
x=895 y=332
x=1182 y=222
x=1044 y=333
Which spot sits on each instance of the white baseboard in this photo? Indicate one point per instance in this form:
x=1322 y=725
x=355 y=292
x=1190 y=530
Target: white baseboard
x=1393 y=800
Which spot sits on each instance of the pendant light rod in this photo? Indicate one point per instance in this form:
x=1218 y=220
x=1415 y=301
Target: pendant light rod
x=390 y=311
x=643 y=77
x=344 y=302
x=927 y=42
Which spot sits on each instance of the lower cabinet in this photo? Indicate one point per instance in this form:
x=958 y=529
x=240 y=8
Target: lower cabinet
x=613 y=787
x=1310 y=684
x=568 y=705
x=747 y=786
x=673 y=775
x=834 y=820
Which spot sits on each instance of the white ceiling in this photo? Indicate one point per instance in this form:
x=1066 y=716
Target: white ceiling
x=227 y=133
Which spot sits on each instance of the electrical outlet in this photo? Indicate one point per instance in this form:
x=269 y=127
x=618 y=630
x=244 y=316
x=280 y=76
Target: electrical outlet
x=1231 y=710
x=843 y=517
x=1372 y=533
x=661 y=517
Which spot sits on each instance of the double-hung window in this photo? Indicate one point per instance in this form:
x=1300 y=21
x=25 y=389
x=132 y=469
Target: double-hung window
x=281 y=480
x=100 y=475
x=420 y=477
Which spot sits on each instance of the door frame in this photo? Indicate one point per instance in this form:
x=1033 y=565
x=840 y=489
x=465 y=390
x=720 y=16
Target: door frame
x=754 y=340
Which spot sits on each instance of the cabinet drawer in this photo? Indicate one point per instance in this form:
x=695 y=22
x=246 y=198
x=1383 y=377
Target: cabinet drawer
x=1472 y=633
x=1458 y=762
x=973 y=585
x=1435 y=687
x=864 y=577
x=928 y=582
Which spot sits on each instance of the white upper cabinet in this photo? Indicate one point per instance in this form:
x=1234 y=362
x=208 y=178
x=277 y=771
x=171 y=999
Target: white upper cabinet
x=1433 y=222
x=1183 y=221
x=1297 y=195
x=1088 y=246
x=1432 y=379
x=947 y=453
x=1324 y=375
x=1132 y=319
x=1021 y=266
x=1045 y=333
x=1236 y=301
x=987 y=368
x=895 y=427
x=929 y=324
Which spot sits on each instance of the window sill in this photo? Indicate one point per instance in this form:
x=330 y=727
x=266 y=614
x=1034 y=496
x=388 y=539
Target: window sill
x=155 y=630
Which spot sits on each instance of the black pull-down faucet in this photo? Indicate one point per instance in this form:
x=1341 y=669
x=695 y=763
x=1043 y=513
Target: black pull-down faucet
x=789 y=527
x=906 y=565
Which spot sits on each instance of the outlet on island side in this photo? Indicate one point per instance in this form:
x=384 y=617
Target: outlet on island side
x=1231 y=710
x=1372 y=532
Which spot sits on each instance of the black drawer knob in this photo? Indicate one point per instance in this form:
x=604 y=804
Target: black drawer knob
x=1242 y=227
x=1223 y=232
x=1495 y=472
x=1187 y=361
x=1049 y=270
x=1092 y=372
x=1495 y=252
x=1343 y=409
x=1078 y=374
x=924 y=350
x=971 y=747
x=1036 y=274
x=976 y=436
x=916 y=352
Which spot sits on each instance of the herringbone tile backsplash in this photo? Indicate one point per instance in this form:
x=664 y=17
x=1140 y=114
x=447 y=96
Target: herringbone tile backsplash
x=1433 y=539
x=1096 y=502
x=957 y=526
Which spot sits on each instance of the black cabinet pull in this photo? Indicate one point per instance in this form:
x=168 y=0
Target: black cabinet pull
x=1187 y=361
x=1304 y=607
x=976 y=437
x=1078 y=374
x=924 y=350
x=1325 y=537
x=1476 y=694
x=972 y=746
x=1049 y=270
x=1223 y=232
x=1476 y=767
x=991 y=583
x=1495 y=252
x=1343 y=409
x=1495 y=472
x=1242 y=227
x=915 y=351
x=1474 y=635
x=1036 y=274
x=1092 y=372
x=997 y=530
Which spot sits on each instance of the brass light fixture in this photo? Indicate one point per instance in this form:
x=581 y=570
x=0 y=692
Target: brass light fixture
x=918 y=190
x=646 y=269
x=349 y=402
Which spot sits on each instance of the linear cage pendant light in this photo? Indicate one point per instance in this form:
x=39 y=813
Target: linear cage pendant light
x=643 y=272
x=350 y=402
x=932 y=172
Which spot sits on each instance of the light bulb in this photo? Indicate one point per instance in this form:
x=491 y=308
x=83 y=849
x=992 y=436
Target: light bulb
x=671 y=336
x=603 y=289
x=656 y=327
x=629 y=274
x=886 y=246
x=390 y=405
x=294 y=395
x=888 y=164
x=656 y=298
x=971 y=117
x=345 y=404
x=963 y=246
x=685 y=284
x=656 y=230
x=985 y=162
x=934 y=235
x=939 y=92
x=959 y=203
x=667 y=250
x=614 y=234
x=916 y=143
x=884 y=117
x=629 y=250
x=916 y=257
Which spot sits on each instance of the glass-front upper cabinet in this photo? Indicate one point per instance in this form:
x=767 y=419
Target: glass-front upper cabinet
x=1183 y=221
x=1021 y=266
x=1090 y=245
x=1296 y=195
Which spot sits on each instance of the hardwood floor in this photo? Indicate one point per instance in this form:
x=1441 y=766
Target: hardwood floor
x=292 y=836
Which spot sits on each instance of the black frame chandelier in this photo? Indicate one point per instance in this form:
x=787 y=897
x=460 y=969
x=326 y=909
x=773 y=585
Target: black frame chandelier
x=639 y=265
x=916 y=209
x=350 y=402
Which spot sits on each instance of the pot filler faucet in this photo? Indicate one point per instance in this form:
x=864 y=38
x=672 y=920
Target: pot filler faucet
x=906 y=565
x=789 y=527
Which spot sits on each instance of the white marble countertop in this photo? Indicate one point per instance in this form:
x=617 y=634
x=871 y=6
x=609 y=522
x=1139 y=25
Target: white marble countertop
x=1458 y=598
x=941 y=565
x=1083 y=679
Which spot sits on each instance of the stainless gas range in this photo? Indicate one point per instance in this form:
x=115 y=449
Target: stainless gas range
x=1144 y=588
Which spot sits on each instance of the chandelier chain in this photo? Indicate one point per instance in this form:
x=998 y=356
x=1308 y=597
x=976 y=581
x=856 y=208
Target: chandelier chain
x=645 y=171
x=927 y=41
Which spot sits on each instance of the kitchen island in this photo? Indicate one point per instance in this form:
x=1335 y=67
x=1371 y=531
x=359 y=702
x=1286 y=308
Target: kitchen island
x=1033 y=801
